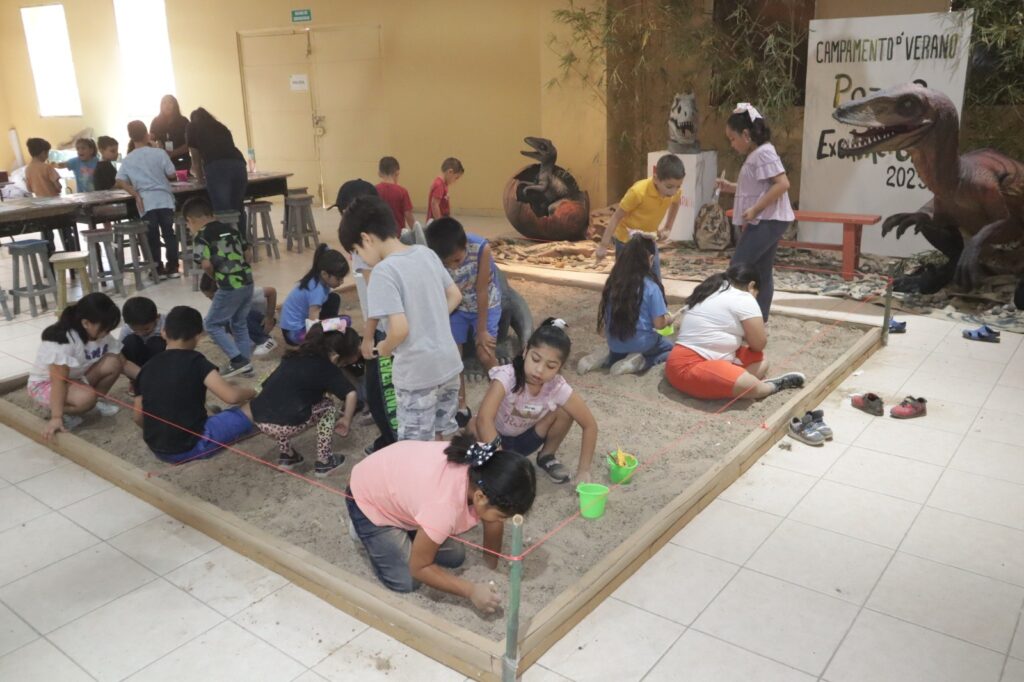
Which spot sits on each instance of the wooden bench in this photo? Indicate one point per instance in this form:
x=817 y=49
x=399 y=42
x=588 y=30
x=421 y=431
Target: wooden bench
x=853 y=224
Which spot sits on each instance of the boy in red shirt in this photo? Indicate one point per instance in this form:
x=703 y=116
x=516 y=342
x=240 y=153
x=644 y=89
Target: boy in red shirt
x=393 y=194
x=437 y=201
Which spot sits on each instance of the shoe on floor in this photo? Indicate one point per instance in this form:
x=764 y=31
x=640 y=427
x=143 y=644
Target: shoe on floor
x=107 y=409
x=910 y=407
x=264 y=348
x=631 y=364
x=868 y=402
x=553 y=468
x=818 y=421
x=72 y=422
x=802 y=429
x=588 y=363
x=232 y=369
x=327 y=468
x=289 y=461
x=787 y=381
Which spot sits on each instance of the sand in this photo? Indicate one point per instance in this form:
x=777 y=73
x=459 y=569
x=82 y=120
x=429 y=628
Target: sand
x=676 y=439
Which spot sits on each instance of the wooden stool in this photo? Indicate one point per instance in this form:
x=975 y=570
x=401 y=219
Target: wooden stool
x=299 y=225
x=184 y=244
x=33 y=255
x=259 y=212
x=135 y=234
x=3 y=305
x=292 y=191
x=95 y=241
x=69 y=261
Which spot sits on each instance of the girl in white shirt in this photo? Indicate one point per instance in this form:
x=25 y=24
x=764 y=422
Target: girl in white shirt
x=719 y=352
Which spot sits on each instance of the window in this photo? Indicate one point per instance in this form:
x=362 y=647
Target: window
x=145 y=56
x=49 y=51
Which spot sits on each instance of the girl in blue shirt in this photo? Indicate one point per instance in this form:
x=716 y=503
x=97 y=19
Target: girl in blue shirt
x=313 y=298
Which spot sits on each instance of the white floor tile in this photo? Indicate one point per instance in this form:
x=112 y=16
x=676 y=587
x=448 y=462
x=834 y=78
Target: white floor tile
x=14 y=632
x=9 y=438
x=874 y=517
x=939 y=387
x=538 y=673
x=110 y=512
x=847 y=422
x=970 y=544
x=696 y=657
x=910 y=440
x=373 y=656
x=227 y=653
x=309 y=676
x=17 y=328
x=676 y=583
x=956 y=347
x=64 y=485
x=876 y=378
x=72 y=587
x=787 y=623
x=983 y=498
x=300 y=624
x=998 y=425
x=1012 y=376
x=39 y=542
x=226 y=580
x=977 y=455
x=727 y=531
x=582 y=655
x=19 y=507
x=821 y=560
x=769 y=489
x=122 y=637
x=1014 y=671
x=40 y=661
x=962 y=368
x=805 y=459
x=961 y=604
x=28 y=460
x=163 y=544
x=883 y=649
x=1007 y=399
x=887 y=474
x=11 y=366
x=1017 y=648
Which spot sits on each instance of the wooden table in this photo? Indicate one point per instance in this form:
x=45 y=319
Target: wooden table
x=853 y=225
x=40 y=214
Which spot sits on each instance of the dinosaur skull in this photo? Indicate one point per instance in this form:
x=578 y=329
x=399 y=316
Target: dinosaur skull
x=893 y=119
x=543 y=149
x=682 y=118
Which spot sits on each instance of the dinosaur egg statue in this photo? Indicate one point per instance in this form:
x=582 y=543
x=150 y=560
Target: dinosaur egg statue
x=543 y=201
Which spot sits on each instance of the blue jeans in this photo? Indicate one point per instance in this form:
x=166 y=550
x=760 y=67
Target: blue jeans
x=255 y=325
x=225 y=427
x=161 y=222
x=655 y=265
x=226 y=181
x=390 y=548
x=227 y=321
x=757 y=246
x=654 y=354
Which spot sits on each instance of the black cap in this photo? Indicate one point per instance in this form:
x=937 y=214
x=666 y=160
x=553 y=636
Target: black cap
x=348 y=192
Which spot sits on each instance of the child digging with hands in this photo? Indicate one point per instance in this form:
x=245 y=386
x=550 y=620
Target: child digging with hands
x=313 y=298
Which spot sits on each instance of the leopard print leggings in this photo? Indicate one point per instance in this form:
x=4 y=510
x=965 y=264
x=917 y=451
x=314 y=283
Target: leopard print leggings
x=324 y=413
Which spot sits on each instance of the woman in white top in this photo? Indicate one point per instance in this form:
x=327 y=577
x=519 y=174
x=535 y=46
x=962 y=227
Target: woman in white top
x=719 y=352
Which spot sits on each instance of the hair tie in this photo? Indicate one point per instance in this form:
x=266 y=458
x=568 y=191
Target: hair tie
x=336 y=324
x=749 y=108
x=480 y=453
x=560 y=323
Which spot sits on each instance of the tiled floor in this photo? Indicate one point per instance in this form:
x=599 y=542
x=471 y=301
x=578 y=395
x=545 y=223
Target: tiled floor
x=896 y=552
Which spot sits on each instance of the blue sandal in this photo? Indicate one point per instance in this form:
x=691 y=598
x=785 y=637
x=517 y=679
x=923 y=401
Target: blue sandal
x=982 y=333
x=897 y=327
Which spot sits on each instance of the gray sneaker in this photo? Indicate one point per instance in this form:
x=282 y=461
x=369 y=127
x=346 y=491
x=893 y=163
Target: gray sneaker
x=787 y=381
x=802 y=429
x=232 y=369
x=818 y=420
x=631 y=364
x=590 y=362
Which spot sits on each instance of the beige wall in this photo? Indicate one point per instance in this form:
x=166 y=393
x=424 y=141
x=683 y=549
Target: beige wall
x=463 y=79
x=839 y=9
x=6 y=154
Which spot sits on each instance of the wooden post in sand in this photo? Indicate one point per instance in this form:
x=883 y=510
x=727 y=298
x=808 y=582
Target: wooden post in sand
x=510 y=663
x=887 y=318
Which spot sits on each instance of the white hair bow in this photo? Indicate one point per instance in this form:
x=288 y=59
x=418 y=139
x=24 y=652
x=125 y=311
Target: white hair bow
x=753 y=113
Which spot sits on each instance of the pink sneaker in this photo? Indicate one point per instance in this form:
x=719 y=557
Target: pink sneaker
x=910 y=407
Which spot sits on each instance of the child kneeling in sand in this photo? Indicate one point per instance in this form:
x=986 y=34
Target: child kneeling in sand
x=171 y=405
x=407 y=500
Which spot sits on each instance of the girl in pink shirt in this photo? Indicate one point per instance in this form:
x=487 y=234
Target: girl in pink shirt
x=407 y=500
x=762 y=206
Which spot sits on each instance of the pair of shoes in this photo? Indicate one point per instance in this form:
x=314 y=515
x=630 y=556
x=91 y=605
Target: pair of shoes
x=588 y=363
x=462 y=417
x=631 y=364
x=818 y=421
x=72 y=422
x=233 y=369
x=787 y=381
x=330 y=466
x=289 y=461
x=161 y=274
x=171 y=274
x=264 y=348
x=553 y=468
x=909 y=408
x=804 y=430
x=868 y=402
x=982 y=333
x=107 y=409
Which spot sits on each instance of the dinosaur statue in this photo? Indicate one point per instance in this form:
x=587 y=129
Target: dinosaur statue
x=682 y=124
x=549 y=187
x=977 y=209
x=543 y=201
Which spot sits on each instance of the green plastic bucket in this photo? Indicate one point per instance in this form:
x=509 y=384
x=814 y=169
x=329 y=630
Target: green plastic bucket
x=666 y=331
x=592 y=499
x=623 y=474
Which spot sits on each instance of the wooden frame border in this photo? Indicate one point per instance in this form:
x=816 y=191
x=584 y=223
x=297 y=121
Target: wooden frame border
x=455 y=646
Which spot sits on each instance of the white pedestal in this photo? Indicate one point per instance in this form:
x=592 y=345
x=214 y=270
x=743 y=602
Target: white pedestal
x=698 y=188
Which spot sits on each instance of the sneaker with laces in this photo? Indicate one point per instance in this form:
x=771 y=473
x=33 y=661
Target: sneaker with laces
x=71 y=421
x=332 y=464
x=787 y=381
x=289 y=461
x=818 y=420
x=553 y=468
x=265 y=348
x=802 y=429
x=233 y=369
x=631 y=364
x=107 y=409
x=910 y=408
x=588 y=363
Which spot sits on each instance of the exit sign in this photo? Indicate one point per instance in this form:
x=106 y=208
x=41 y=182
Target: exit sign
x=299 y=15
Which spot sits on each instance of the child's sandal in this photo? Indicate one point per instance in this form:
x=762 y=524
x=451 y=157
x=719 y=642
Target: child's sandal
x=553 y=468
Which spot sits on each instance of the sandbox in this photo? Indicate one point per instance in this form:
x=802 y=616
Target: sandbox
x=689 y=451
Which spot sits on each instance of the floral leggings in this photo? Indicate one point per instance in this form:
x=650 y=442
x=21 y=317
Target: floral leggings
x=324 y=413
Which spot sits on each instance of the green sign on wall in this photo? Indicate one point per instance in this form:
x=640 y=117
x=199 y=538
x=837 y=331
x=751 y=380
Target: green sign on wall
x=299 y=15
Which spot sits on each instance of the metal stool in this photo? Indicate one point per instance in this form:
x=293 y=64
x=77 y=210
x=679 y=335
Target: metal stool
x=95 y=241
x=134 y=235
x=33 y=255
x=299 y=225
x=259 y=212
x=69 y=261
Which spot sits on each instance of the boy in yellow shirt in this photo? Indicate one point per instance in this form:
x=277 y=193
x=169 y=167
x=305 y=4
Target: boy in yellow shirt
x=643 y=207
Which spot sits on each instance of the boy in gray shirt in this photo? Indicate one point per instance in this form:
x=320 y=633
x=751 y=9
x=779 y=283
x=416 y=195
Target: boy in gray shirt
x=412 y=295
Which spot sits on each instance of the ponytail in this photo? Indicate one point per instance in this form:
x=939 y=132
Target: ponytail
x=551 y=333
x=325 y=259
x=739 y=275
x=760 y=133
x=506 y=478
x=623 y=293
x=97 y=308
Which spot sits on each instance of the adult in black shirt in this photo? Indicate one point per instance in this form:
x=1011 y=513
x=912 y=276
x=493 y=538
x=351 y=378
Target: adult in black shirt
x=215 y=158
x=168 y=132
